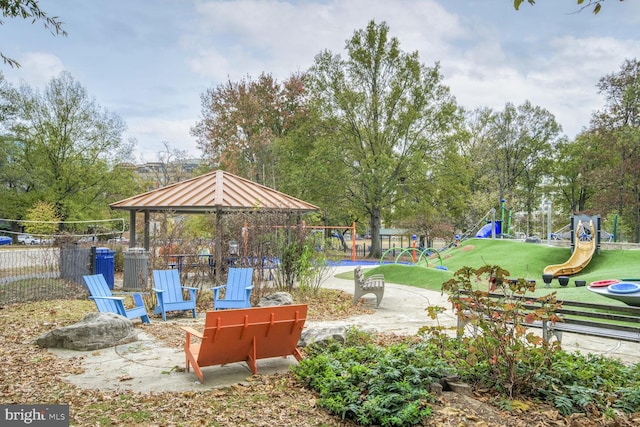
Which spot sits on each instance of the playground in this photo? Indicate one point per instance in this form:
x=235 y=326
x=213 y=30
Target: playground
x=521 y=259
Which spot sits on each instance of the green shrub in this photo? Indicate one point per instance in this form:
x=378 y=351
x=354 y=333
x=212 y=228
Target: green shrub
x=374 y=385
x=504 y=354
x=507 y=357
x=589 y=383
x=118 y=258
x=389 y=385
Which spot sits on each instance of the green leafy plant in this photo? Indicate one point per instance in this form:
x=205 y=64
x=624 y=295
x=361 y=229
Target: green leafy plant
x=293 y=261
x=587 y=383
x=374 y=385
x=503 y=354
x=501 y=347
x=302 y=262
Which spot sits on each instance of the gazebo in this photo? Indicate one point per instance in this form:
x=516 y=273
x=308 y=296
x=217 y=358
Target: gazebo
x=216 y=193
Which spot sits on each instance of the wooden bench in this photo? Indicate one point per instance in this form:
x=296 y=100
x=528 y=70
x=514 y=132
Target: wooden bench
x=371 y=285
x=245 y=335
x=601 y=320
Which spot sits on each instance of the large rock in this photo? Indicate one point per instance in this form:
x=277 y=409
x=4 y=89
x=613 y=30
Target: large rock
x=323 y=336
x=94 y=331
x=278 y=298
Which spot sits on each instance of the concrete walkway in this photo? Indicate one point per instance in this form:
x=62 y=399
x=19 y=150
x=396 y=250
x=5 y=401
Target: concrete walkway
x=403 y=311
x=147 y=366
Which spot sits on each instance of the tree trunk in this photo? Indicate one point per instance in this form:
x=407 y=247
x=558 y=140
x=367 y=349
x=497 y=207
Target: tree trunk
x=375 y=223
x=582 y=201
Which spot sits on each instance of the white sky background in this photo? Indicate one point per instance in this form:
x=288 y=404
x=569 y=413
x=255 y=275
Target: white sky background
x=149 y=61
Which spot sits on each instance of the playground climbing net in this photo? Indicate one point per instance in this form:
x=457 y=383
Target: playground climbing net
x=584 y=232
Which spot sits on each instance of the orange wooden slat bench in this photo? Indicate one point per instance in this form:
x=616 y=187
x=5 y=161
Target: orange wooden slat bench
x=246 y=335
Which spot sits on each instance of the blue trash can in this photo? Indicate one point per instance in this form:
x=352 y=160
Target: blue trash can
x=105 y=265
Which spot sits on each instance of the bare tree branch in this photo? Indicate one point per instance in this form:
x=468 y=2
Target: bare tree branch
x=28 y=9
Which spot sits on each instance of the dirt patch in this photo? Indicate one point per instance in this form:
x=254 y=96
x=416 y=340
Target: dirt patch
x=467 y=248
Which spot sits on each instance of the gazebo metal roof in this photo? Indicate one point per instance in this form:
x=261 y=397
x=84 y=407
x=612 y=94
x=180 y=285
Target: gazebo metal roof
x=214 y=192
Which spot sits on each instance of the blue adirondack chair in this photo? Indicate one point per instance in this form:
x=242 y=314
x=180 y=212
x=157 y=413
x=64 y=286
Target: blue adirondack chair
x=169 y=293
x=237 y=290
x=107 y=303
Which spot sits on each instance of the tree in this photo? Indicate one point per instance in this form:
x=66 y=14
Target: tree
x=10 y=176
x=575 y=174
x=28 y=9
x=66 y=150
x=597 y=4
x=617 y=126
x=512 y=152
x=42 y=219
x=387 y=113
x=310 y=167
x=476 y=145
x=172 y=166
x=5 y=104
x=523 y=139
x=242 y=119
x=441 y=210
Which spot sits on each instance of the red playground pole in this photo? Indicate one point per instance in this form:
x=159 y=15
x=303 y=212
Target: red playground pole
x=353 y=242
x=413 y=245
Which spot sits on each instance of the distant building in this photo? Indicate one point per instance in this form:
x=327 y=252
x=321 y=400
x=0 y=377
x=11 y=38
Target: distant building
x=153 y=175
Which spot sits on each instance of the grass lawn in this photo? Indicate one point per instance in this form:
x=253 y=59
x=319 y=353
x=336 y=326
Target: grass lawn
x=526 y=260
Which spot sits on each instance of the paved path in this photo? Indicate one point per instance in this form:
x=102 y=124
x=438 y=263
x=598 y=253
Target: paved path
x=403 y=310
x=145 y=366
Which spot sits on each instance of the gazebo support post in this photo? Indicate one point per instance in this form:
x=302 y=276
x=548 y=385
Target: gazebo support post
x=218 y=246
x=147 y=224
x=132 y=228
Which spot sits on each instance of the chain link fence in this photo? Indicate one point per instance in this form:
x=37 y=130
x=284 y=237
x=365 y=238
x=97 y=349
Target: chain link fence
x=43 y=273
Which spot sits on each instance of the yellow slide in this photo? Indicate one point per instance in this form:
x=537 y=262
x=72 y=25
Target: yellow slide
x=584 y=248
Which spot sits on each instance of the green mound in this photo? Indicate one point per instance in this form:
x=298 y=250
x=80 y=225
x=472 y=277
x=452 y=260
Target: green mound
x=522 y=260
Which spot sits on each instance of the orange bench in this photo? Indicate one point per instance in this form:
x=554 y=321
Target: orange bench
x=246 y=335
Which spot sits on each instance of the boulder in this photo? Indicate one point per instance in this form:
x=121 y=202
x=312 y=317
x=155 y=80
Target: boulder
x=278 y=298
x=322 y=336
x=93 y=332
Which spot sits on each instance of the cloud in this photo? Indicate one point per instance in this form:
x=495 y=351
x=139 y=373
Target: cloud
x=36 y=69
x=248 y=37
x=482 y=65
x=151 y=133
x=153 y=64
x=560 y=76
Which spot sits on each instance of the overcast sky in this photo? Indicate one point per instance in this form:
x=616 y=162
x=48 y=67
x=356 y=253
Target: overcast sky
x=150 y=60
